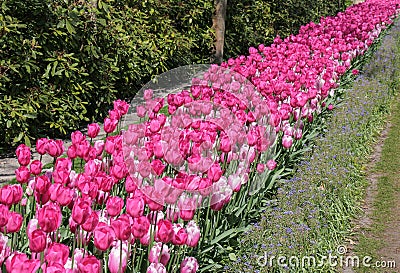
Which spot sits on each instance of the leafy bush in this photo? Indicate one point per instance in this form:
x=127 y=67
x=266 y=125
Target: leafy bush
x=63 y=62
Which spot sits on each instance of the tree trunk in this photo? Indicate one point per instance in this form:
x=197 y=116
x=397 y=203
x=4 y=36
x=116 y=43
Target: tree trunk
x=219 y=28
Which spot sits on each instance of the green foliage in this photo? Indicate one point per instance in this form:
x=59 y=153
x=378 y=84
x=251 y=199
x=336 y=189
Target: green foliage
x=62 y=63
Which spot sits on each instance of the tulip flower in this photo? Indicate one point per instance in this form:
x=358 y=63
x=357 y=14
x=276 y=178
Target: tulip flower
x=193 y=234
x=89 y=264
x=104 y=235
x=93 y=130
x=271 y=164
x=114 y=205
x=49 y=217
x=4 y=248
x=57 y=253
x=14 y=222
x=81 y=210
x=159 y=253
x=36 y=167
x=164 y=231
x=122 y=227
x=110 y=125
x=135 y=206
x=37 y=241
x=156 y=268
x=22 y=174
x=41 y=144
x=180 y=235
x=189 y=265
x=23 y=153
x=117 y=259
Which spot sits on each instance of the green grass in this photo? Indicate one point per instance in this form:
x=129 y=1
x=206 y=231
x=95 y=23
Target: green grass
x=385 y=200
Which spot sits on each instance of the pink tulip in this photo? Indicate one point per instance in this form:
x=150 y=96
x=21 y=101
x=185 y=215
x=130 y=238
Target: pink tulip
x=55 y=148
x=14 y=222
x=37 y=241
x=189 y=265
x=57 y=253
x=121 y=106
x=119 y=171
x=114 y=114
x=180 y=235
x=53 y=268
x=148 y=94
x=33 y=225
x=23 y=153
x=214 y=172
x=116 y=263
x=164 y=231
x=91 y=222
x=93 y=130
x=4 y=215
x=104 y=235
x=114 y=205
x=77 y=137
x=140 y=226
x=271 y=164
x=36 y=167
x=159 y=253
x=122 y=227
x=135 y=206
x=4 y=248
x=287 y=141
x=131 y=184
x=22 y=174
x=112 y=144
x=260 y=168
x=157 y=166
x=193 y=232
x=49 y=217
x=60 y=194
x=31 y=265
x=187 y=207
x=110 y=125
x=82 y=149
x=41 y=144
x=71 y=152
x=99 y=146
x=81 y=210
x=10 y=194
x=141 y=111
x=89 y=264
x=14 y=260
x=144 y=168
x=42 y=184
x=225 y=144
x=156 y=268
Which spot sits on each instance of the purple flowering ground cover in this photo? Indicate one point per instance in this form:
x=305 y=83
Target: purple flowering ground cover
x=312 y=214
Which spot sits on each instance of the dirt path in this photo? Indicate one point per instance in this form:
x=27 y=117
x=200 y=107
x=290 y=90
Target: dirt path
x=377 y=231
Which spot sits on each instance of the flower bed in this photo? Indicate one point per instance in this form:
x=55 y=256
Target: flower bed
x=312 y=216
x=184 y=183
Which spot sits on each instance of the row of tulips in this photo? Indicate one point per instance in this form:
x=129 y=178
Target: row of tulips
x=137 y=200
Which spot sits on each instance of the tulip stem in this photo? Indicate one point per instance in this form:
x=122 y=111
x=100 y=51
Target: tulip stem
x=120 y=258
x=73 y=252
x=41 y=258
x=133 y=256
